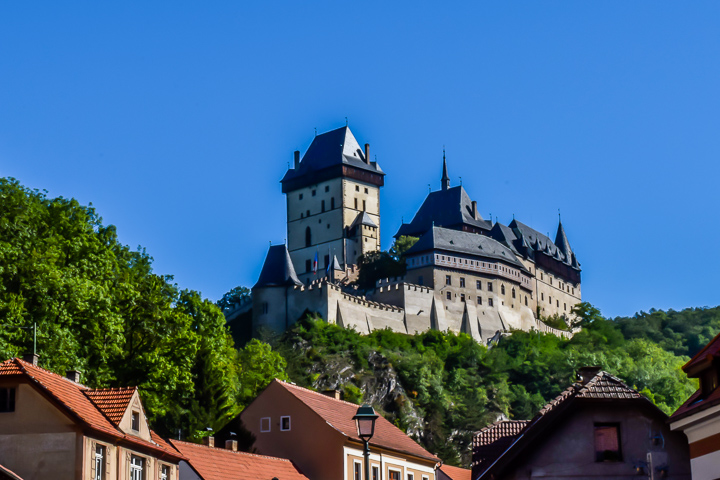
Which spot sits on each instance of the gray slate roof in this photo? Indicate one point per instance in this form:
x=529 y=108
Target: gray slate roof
x=278 y=270
x=363 y=219
x=443 y=208
x=329 y=149
x=527 y=241
x=438 y=238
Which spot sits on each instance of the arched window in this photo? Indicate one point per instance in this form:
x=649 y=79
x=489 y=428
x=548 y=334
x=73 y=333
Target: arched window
x=513 y=292
x=502 y=289
x=308 y=237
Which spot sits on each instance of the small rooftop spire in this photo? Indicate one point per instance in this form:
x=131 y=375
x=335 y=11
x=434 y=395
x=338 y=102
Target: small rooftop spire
x=445 y=181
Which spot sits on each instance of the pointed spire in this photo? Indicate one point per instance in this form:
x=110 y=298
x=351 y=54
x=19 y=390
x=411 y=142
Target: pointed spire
x=445 y=181
x=562 y=242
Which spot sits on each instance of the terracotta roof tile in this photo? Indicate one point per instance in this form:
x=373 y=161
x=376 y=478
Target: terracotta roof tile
x=456 y=473
x=339 y=414
x=220 y=464
x=490 y=442
x=113 y=402
x=72 y=396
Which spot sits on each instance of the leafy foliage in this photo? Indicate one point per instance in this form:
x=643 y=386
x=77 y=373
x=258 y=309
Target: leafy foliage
x=236 y=296
x=377 y=265
x=401 y=246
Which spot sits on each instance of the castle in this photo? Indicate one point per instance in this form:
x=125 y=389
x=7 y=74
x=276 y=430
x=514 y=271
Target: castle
x=464 y=273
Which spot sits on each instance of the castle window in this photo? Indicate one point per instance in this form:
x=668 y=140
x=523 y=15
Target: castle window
x=328 y=225
x=300 y=196
x=308 y=237
x=448 y=295
x=448 y=280
x=357 y=188
x=307 y=214
x=308 y=265
x=557 y=303
x=366 y=190
x=490 y=287
x=332 y=203
x=478 y=284
x=322 y=206
x=356 y=204
x=420 y=280
x=301 y=215
x=364 y=206
x=462 y=282
x=573 y=291
x=327 y=188
x=564 y=306
x=513 y=292
x=541 y=275
x=490 y=302
x=526 y=300
x=550 y=300
x=314 y=192
x=502 y=289
x=542 y=296
x=479 y=300
x=265 y=308
x=550 y=280
x=462 y=297
x=327 y=260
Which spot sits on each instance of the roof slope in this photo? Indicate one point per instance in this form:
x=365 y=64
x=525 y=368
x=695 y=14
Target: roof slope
x=72 y=397
x=220 y=464
x=693 y=368
x=339 y=414
x=602 y=386
x=278 y=270
x=444 y=208
x=456 y=473
x=541 y=243
x=329 y=149
x=112 y=402
x=439 y=238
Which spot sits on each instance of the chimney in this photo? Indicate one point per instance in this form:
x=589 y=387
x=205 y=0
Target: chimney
x=474 y=210
x=297 y=159
x=209 y=441
x=231 y=445
x=31 y=358
x=587 y=373
x=336 y=394
x=73 y=375
x=367 y=153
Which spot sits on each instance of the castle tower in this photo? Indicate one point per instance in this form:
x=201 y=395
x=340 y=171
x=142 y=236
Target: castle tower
x=333 y=204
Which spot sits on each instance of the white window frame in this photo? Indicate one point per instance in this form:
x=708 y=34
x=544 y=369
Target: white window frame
x=137 y=472
x=357 y=463
x=399 y=472
x=425 y=477
x=410 y=476
x=269 y=424
x=99 y=460
x=169 y=472
x=281 y=423
x=373 y=469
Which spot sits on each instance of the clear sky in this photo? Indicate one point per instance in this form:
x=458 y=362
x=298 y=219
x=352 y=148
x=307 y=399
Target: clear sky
x=177 y=121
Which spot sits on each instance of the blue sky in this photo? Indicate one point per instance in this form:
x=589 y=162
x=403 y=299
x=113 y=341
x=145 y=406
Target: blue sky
x=177 y=121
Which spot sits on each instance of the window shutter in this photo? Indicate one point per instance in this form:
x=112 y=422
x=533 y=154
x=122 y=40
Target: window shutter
x=107 y=461
x=93 y=447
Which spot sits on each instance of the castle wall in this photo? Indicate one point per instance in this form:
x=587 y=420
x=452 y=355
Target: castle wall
x=553 y=294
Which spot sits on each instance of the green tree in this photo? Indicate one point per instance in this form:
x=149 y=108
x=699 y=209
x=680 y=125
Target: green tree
x=236 y=296
x=375 y=266
x=258 y=365
x=401 y=246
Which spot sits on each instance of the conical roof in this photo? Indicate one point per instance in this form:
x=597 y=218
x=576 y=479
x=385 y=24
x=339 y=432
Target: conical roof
x=562 y=242
x=278 y=269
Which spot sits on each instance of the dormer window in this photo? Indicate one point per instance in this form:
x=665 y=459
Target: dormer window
x=135 y=421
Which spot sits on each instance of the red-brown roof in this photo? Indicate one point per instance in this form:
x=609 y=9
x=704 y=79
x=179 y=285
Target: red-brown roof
x=113 y=402
x=339 y=414
x=703 y=357
x=490 y=442
x=220 y=464
x=72 y=397
x=456 y=473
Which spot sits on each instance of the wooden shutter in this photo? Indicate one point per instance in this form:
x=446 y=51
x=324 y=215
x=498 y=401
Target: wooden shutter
x=107 y=461
x=93 y=446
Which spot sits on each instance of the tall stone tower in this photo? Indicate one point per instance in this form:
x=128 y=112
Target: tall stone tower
x=333 y=204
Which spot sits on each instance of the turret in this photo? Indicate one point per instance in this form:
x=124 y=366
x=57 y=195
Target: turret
x=445 y=181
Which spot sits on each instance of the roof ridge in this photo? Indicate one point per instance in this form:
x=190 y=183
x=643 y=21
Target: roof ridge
x=315 y=392
x=225 y=450
x=23 y=364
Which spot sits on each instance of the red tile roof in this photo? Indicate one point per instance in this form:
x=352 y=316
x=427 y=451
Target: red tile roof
x=339 y=414
x=602 y=386
x=72 y=397
x=703 y=358
x=490 y=442
x=220 y=464
x=456 y=473
x=113 y=402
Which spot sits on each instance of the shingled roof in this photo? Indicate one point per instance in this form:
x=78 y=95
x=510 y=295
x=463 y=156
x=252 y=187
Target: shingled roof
x=339 y=415
x=113 y=402
x=451 y=208
x=73 y=399
x=221 y=464
x=438 y=238
x=501 y=442
x=278 y=270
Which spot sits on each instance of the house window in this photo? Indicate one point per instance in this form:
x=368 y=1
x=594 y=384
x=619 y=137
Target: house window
x=462 y=282
x=478 y=284
x=502 y=289
x=375 y=472
x=394 y=475
x=308 y=237
x=448 y=295
x=265 y=424
x=607 y=442
x=357 y=467
x=410 y=476
x=285 y=424
x=327 y=188
x=448 y=280
x=7 y=399
x=300 y=196
x=164 y=472
x=490 y=302
x=313 y=193
x=308 y=265
x=489 y=286
x=99 y=462
x=425 y=477
x=137 y=467
x=135 y=421
x=708 y=381
x=479 y=300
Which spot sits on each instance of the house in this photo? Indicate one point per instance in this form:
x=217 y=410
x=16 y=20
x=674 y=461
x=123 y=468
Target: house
x=53 y=427
x=317 y=432
x=205 y=462
x=598 y=427
x=448 y=472
x=699 y=417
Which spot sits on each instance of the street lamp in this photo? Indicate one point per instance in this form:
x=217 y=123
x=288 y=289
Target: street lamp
x=365 y=422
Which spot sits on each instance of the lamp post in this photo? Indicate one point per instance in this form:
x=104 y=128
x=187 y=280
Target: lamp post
x=365 y=422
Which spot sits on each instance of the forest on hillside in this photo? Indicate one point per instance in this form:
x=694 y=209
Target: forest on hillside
x=100 y=308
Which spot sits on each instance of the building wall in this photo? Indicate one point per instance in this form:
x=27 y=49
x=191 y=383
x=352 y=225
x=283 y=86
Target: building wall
x=319 y=455
x=568 y=450
x=385 y=461
x=703 y=433
x=117 y=462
